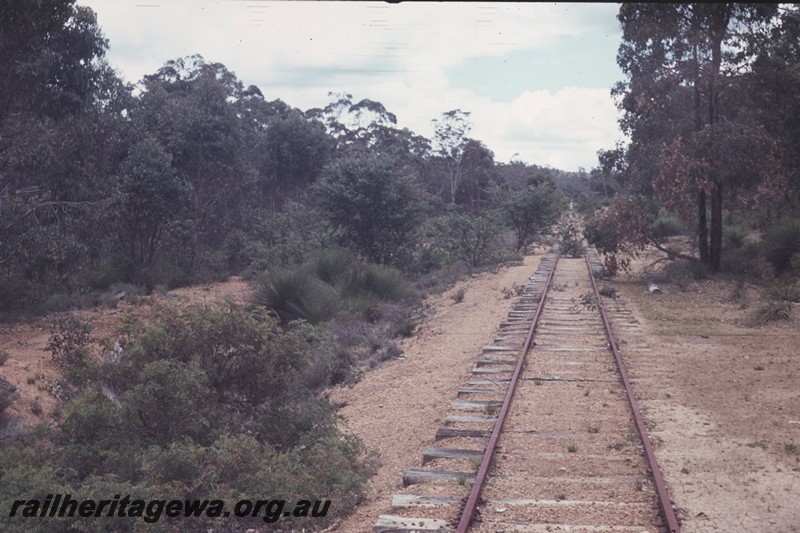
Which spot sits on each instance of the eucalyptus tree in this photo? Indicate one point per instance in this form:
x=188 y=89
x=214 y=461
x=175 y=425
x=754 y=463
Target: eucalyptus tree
x=375 y=207
x=188 y=107
x=50 y=51
x=682 y=106
x=61 y=110
x=450 y=138
x=150 y=195
x=362 y=124
x=477 y=175
x=529 y=211
x=292 y=152
x=775 y=84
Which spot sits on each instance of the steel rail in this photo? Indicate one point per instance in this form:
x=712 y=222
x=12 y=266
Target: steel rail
x=488 y=455
x=661 y=488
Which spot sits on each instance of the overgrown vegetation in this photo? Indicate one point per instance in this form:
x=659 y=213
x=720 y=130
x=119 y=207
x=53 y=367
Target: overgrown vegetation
x=196 y=176
x=570 y=238
x=530 y=211
x=734 y=237
x=337 y=215
x=666 y=225
x=8 y=395
x=199 y=403
x=359 y=307
x=472 y=240
x=333 y=282
x=782 y=246
x=374 y=206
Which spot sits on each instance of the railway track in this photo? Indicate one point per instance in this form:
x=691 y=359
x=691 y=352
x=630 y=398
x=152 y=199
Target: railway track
x=546 y=435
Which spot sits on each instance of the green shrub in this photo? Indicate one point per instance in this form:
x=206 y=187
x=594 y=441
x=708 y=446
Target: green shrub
x=427 y=258
x=296 y=294
x=468 y=238
x=681 y=273
x=69 y=347
x=386 y=282
x=359 y=302
x=170 y=275
x=781 y=242
x=376 y=207
x=330 y=364
x=99 y=278
x=319 y=303
x=8 y=395
x=744 y=260
x=666 y=225
x=15 y=294
x=333 y=281
x=406 y=327
x=787 y=292
x=367 y=306
x=201 y=403
x=353 y=282
x=530 y=211
x=734 y=237
x=331 y=264
x=571 y=241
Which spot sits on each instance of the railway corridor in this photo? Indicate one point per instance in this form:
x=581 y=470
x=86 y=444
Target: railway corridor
x=568 y=456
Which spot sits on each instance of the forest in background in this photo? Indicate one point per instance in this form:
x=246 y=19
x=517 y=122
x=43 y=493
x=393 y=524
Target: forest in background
x=190 y=175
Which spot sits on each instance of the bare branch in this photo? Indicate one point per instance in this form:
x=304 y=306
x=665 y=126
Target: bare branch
x=52 y=205
x=674 y=253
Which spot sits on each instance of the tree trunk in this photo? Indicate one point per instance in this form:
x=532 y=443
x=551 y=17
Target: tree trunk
x=702 y=228
x=719 y=25
x=452 y=178
x=702 y=223
x=715 y=248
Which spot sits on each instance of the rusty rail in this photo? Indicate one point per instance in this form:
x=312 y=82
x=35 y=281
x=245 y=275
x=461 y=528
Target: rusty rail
x=488 y=455
x=661 y=488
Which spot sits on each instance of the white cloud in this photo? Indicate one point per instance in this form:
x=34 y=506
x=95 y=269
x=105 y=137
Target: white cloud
x=563 y=129
x=397 y=54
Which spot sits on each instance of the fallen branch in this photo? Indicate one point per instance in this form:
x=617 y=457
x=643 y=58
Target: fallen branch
x=674 y=253
x=52 y=205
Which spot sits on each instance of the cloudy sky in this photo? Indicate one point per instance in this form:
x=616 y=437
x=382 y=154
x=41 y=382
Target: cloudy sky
x=536 y=77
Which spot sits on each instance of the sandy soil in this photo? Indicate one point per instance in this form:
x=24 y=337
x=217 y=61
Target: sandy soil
x=396 y=408
x=723 y=404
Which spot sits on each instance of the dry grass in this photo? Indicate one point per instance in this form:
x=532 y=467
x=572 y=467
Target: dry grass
x=770 y=311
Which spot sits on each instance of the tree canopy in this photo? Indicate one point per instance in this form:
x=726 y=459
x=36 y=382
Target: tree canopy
x=375 y=207
x=689 y=108
x=192 y=174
